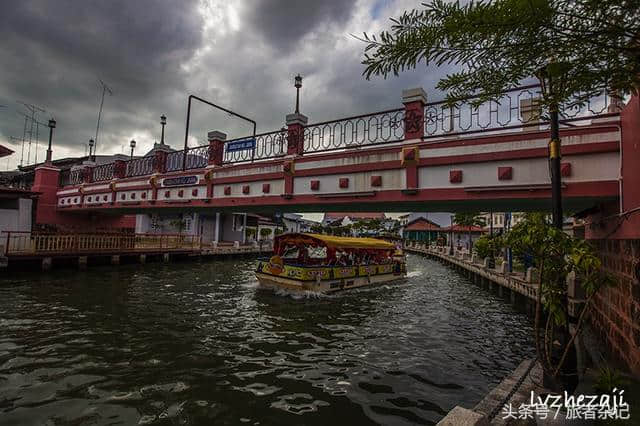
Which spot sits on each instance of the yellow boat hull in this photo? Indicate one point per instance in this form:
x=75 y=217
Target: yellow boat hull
x=276 y=282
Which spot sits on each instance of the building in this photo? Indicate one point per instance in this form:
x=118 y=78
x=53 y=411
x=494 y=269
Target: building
x=459 y=235
x=344 y=219
x=421 y=229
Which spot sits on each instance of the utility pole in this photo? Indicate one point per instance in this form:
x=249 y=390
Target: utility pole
x=105 y=89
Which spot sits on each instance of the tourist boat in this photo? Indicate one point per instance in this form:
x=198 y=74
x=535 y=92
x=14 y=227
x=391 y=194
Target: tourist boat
x=326 y=264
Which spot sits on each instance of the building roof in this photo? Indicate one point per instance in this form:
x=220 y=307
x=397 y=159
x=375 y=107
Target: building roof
x=12 y=193
x=422 y=224
x=335 y=216
x=4 y=151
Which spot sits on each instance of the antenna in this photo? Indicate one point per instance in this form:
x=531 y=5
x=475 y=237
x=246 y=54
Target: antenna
x=105 y=88
x=37 y=124
x=33 y=109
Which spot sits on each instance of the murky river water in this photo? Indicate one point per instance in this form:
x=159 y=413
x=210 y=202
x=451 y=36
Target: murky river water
x=197 y=343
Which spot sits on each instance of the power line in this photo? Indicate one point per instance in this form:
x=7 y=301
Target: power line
x=105 y=88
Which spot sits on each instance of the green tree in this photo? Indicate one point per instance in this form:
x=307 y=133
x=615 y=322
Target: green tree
x=592 y=44
x=469 y=220
x=556 y=254
x=265 y=233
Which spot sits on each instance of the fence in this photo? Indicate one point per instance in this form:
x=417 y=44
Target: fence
x=353 y=132
x=514 y=110
x=267 y=146
x=25 y=243
x=139 y=166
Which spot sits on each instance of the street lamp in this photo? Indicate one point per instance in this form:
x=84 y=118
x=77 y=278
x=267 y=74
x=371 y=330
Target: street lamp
x=132 y=144
x=163 y=121
x=552 y=82
x=298 y=85
x=91 y=143
x=52 y=125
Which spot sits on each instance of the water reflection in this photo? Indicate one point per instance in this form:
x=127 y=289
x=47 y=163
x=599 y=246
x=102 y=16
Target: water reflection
x=194 y=343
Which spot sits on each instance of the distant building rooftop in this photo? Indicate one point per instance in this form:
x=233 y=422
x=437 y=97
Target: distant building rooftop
x=422 y=224
x=4 y=151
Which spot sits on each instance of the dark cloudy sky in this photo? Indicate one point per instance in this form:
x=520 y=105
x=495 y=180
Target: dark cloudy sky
x=153 y=53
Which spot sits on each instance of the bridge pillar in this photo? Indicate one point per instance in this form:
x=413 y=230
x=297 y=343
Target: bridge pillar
x=295 y=133
x=414 y=101
x=119 y=169
x=160 y=162
x=46 y=182
x=216 y=147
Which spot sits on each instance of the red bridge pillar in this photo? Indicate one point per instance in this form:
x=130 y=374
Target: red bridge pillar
x=414 y=101
x=46 y=182
x=216 y=147
x=295 y=133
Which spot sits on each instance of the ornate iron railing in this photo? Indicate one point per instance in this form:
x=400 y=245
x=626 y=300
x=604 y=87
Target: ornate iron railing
x=174 y=161
x=267 y=146
x=103 y=172
x=140 y=166
x=197 y=157
x=75 y=177
x=516 y=108
x=357 y=131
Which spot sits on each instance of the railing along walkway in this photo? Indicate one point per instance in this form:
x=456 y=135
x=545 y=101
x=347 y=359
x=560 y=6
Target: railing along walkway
x=513 y=280
x=27 y=244
x=24 y=244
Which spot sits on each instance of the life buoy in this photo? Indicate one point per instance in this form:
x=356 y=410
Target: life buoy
x=275 y=266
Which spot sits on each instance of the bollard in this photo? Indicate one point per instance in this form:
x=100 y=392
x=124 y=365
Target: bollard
x=143 y=258
x=115 y=259
x=166 y=257
x=82 y=262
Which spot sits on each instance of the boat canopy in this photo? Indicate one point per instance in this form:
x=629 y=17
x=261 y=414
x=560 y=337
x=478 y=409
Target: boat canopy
x=332 y=242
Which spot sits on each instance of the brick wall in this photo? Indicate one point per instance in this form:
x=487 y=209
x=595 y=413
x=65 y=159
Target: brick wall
x=615 y=313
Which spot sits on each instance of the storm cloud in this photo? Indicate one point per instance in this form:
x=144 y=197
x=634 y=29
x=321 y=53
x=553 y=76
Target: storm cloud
x=153 y=54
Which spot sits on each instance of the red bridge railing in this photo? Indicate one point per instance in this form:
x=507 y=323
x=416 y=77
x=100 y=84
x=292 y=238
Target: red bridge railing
x=515 y=109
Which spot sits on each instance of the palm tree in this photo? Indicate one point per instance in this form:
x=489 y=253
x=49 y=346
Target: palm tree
x=468 y=220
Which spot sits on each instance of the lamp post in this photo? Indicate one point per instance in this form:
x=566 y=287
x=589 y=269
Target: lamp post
x=52 y=125
x=298 y=85
x=91 y=143
x=163 y=121
x=132 y=144
x=552 y=81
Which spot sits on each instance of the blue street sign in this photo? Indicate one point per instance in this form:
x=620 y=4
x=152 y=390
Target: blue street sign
x=241 y=145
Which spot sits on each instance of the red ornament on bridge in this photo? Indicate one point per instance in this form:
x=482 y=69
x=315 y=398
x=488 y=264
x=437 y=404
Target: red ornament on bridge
x=505 y=173
x=455 y=176
x=344 y=183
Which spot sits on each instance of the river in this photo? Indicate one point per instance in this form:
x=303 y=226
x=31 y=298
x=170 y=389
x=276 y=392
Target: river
x=198 y=343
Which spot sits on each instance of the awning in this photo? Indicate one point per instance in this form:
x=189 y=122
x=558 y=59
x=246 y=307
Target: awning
x=335 y=242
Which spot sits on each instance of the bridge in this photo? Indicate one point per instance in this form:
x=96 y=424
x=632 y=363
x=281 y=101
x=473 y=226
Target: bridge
x=422 y=156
